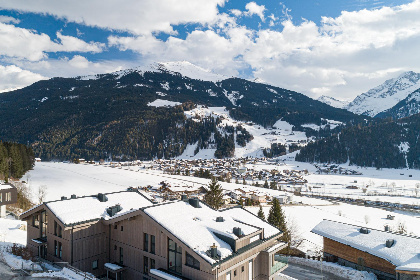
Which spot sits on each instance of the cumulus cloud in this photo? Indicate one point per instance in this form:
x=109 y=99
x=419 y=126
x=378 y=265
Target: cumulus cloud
x=137 y=17
x=27 y=44
x=7 y=19
x=13 y=77
x=255 y=9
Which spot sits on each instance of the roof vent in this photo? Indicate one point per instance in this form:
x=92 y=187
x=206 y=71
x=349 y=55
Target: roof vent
x=219 y=219
x=387 y=228
x=73 y=196
x=364 y=230
x=113 y=210
x=194 y=202
x=102 y=197
x=63 y=198
x=213 y=251
x=184 y=197
x=389 y=243
x=238 y=232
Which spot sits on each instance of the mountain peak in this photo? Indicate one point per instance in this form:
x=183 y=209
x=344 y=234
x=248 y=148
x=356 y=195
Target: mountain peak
x=184 y=68
x=386 y=95
x=333 y=101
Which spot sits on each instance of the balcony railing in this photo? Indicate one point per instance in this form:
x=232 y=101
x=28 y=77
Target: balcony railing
x=280 y=263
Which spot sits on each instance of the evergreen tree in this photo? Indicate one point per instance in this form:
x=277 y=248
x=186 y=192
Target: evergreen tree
x=277 y=219
x=214 y=195
x=266 y=184
x=261 y=214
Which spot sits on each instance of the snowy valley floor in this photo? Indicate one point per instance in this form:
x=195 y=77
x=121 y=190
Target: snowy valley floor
x=64 y=179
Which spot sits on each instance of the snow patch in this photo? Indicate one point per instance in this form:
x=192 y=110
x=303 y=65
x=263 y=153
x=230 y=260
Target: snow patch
x=163 y=103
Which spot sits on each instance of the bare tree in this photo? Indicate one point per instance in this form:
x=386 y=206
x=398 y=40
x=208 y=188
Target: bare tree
x=42 y=193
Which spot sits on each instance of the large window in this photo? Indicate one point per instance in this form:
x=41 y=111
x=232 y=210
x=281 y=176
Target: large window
x=58 y=249
x=146 y=265
x=95 y=265
x=44 y=223
x=174 y=257
x=57 y=229
x=121 y=255
x=152 y=244
x=152 y=264
x=192 y=262
x=146 y=242
x=35 y=220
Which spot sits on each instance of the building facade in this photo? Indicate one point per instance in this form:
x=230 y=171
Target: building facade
x=124 y=236
x=8 y=195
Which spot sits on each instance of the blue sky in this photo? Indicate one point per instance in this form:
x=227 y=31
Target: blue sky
x=339 y=48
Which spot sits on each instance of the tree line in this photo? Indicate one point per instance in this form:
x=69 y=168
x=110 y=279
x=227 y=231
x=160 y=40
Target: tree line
x=15 y=160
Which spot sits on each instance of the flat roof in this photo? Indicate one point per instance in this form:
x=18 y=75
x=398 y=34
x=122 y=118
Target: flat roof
x=5 y=186
x=404 y=253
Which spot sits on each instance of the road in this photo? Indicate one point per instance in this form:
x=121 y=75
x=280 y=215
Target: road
x=308 y=273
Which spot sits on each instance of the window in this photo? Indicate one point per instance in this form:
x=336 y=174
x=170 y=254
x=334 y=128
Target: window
x=9 y=196
x=115 y=226
x=242 y=269
x=228 y=276
x=152 y=264
x=58 y=249
x=60 y=231
x=44 y=223
x=55 y=228
x=192 y=262
x=95 y=265
x=146 y=242
x=115 y=247
x=1 y=197
x=122 y=228
x=152 y=244
x=234 y=273
x=121 y=255
x=35 y=220
x=174 y=257
x=146 y=265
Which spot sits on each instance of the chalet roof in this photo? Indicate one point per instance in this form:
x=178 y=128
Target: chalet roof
x=198 y=229
x=89 y=208
x=404 y=253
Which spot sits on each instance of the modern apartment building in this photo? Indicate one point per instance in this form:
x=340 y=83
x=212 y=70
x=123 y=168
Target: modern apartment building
x=125 y=236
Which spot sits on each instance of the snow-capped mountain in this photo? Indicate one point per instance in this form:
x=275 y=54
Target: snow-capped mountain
x=405 y=108
x=185 y=68
x=385 y=96
x=341 y=104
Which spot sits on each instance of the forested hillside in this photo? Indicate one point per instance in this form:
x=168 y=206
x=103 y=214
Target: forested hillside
x=15 y=160
x=109 y=116
x=380 y=144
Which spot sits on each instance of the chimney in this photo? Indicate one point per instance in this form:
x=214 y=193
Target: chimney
x=387 y=228
x=364 y=230
x=73 y=196
x=238 y=232
x=219 y=219
x=194 y=202
x=389 y=243
x=63 y=198
x=113 y=210
x=102 y=197
x=213 y=251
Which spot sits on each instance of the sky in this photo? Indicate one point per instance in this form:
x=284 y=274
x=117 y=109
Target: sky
x=338 y=48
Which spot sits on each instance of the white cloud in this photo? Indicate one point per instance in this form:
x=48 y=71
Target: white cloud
x=7 y=19
x=13 y=77
x=79 y=61
x=255 y=9
x=27 y=44
x=137 y=17
x=236 y=12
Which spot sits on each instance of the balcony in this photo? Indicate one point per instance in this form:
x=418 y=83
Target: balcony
x=280 y=263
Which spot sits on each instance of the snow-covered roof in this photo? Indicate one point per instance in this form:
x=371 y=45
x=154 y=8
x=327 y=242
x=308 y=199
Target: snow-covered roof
x=77 y=210
x=244 y=216
x=197 y=227
x=163 y=275
x=404 y=253
x=5 y=186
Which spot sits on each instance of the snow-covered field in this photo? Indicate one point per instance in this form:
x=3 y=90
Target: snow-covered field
x=64 y=179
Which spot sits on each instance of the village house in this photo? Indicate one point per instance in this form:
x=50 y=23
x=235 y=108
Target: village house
x=123 y=235
x=387 y=254
x=8 y=195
